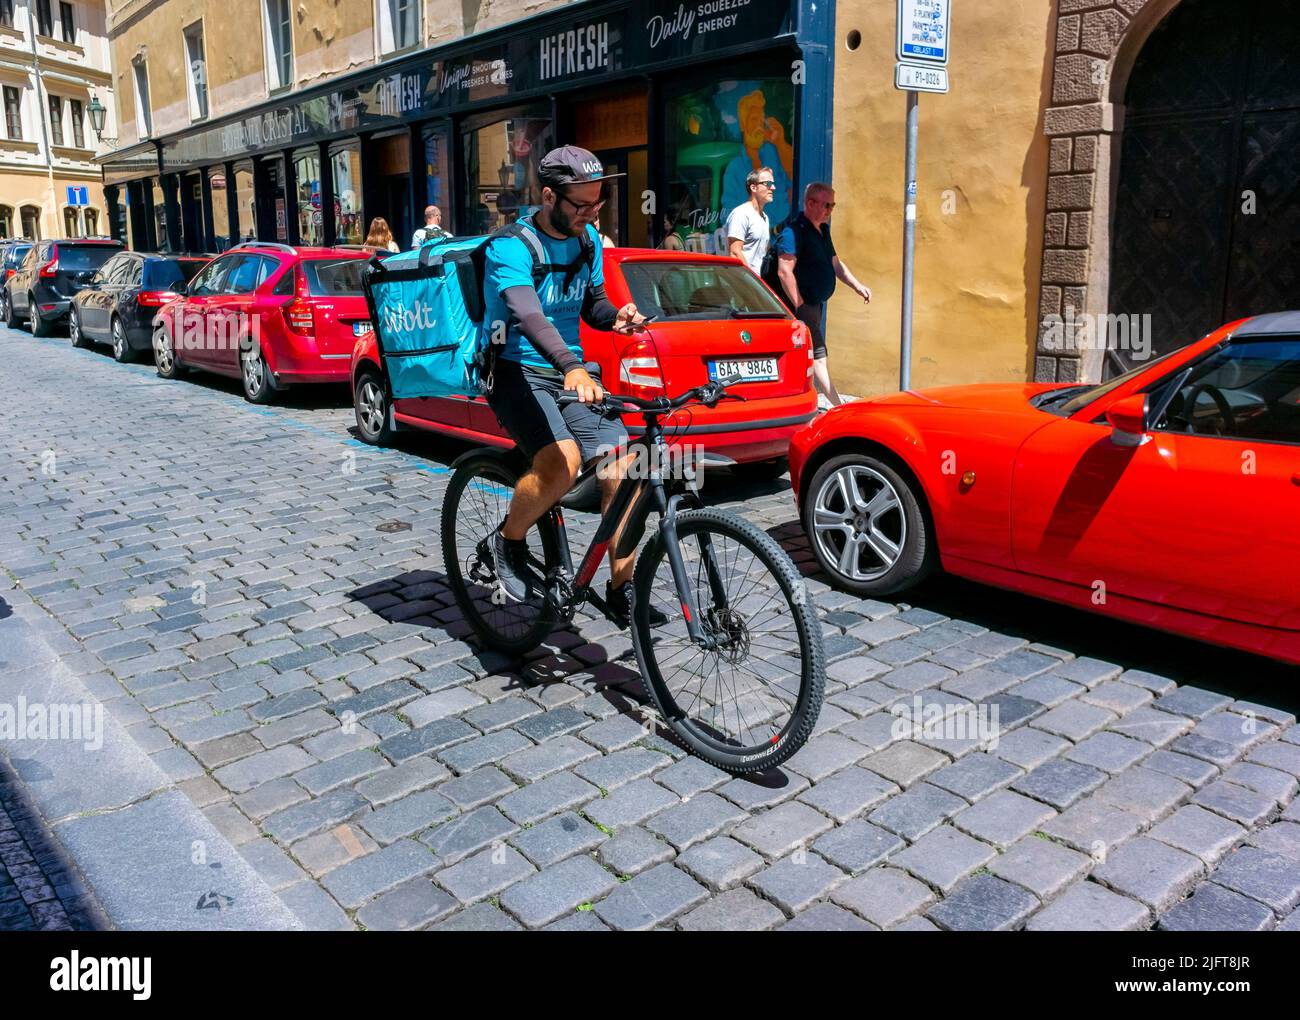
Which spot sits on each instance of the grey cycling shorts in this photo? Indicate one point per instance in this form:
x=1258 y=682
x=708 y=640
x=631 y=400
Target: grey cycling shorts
x=524 y=401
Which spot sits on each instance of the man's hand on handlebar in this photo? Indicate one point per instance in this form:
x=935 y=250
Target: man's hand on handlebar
x=587 y=389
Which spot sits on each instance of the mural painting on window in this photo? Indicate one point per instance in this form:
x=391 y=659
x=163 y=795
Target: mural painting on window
x=716 y=136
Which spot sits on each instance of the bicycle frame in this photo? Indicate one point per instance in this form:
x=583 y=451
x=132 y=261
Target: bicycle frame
x=650 y=494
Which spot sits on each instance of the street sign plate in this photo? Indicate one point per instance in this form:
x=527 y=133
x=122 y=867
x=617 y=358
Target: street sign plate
x=78 y=195
x=923 y=31
x=920 y=78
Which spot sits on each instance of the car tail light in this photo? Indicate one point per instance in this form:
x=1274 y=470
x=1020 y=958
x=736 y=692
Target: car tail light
x=156 y=298
x=50 y=268
x=298 y=313
x=639 y=370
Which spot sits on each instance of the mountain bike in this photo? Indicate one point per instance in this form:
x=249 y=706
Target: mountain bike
x=734 y=666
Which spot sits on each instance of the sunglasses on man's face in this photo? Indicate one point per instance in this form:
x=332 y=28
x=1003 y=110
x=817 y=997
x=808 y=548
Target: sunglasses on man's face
x=765 y=184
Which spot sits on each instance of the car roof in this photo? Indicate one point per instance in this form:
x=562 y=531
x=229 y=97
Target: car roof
x=1270 y=324
x=107 y=242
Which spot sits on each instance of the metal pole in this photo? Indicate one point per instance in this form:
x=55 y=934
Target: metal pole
x=909 y=243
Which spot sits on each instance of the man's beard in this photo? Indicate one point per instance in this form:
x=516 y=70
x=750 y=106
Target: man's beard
x=562 y=221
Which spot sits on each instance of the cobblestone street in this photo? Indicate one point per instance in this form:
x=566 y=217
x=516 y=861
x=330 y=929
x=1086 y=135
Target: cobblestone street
x=297 y=685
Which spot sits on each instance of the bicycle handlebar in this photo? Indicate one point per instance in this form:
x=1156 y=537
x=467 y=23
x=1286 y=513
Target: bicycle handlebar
x=709 y=394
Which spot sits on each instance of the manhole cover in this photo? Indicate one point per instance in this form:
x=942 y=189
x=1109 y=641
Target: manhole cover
x=388 y=527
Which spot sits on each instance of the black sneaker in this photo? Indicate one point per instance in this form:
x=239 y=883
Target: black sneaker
x=514 y=573
x=619 y=601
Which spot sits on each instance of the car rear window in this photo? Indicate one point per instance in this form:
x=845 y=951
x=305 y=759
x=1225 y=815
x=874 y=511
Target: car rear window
x=17 y=253
x=335 y=277
x=171 y=272
x=674 y=291
x=85 y=256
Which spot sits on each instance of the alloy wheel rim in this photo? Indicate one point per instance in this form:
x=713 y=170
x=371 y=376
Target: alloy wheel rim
x=372 y=410
x=253 y=373
x=74 y=328
x=858 y=515
x=119 y=341
x=163 y=353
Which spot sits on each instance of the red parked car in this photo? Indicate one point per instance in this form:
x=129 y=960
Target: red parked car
x=712 y=316
x=267 y=314
x=1167 y=496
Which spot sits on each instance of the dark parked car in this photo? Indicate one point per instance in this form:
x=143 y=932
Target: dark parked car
x=119 y=303
x=42 y=289
x=12 y=254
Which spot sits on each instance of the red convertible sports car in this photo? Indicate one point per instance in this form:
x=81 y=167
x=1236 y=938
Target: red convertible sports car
x=1168 y=496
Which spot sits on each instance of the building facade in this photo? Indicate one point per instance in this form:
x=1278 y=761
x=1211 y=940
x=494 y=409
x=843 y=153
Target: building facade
x=54 y=59
x=1079 y=157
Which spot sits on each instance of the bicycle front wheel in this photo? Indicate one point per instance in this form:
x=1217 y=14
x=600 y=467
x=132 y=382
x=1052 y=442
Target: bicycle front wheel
x=752 y=700
x=476 y=502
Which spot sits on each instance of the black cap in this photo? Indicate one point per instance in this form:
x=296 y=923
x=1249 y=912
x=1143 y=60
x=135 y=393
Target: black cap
x=570 y=164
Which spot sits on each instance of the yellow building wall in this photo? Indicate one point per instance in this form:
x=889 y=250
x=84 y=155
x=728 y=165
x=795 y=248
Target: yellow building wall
x=981 y=180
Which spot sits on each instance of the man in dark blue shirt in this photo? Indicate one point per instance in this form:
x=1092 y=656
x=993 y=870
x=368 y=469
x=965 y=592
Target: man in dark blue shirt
x=808 y=268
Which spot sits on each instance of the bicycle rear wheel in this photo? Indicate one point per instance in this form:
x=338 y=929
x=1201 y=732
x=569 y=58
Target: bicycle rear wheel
x=749 y=704
x=476 y=502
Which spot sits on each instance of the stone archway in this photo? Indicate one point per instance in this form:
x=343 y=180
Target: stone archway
x=1097 y=42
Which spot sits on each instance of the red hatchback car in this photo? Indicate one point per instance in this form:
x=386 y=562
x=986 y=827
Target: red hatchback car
x=267 y=314
x=712 y=317
x=1167 y=496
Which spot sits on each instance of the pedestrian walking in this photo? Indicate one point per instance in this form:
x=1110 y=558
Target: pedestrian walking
x=380 y=236
x=748 y=232
x=808 y=268
x=432 y=227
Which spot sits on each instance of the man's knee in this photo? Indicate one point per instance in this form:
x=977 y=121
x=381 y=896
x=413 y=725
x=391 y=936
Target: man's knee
x=558 y=464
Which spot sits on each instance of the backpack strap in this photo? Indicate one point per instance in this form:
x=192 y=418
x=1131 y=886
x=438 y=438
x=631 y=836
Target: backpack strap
x=527 y=232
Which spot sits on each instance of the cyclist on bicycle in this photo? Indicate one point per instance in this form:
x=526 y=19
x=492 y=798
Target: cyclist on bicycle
x=542 y=357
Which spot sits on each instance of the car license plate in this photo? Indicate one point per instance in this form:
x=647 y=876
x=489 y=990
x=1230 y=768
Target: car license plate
x=360 y=328
x=746 y=370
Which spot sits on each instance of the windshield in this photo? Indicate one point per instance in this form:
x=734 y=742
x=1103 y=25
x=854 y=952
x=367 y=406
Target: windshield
x=1081 y=400
x=676 y=291
x=335 y=277
x=90 y=256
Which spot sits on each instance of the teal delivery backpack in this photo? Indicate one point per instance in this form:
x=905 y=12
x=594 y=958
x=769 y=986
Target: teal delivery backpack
x=427 y=310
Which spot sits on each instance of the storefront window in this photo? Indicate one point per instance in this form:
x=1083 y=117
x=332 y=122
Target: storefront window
x=346 y=167
x=437 y=141
x=274 y=198
x=246 y=228
x=220 y=209
x=306 y=172
x=716 y=135
x=159 y=217
x=501 y=158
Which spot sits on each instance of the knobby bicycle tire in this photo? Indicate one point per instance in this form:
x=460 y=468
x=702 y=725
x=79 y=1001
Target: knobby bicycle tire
x=812 y=678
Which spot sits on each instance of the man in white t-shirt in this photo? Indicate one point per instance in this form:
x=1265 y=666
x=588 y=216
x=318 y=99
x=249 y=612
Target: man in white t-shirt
x=748 y=232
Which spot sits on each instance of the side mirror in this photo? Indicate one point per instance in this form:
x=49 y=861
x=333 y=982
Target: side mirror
x=1128 y=420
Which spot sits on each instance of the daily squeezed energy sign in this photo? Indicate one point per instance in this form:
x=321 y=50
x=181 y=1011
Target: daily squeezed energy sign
x=923 y=31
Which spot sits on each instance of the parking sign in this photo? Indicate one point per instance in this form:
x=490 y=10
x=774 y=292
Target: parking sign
x=923 y=31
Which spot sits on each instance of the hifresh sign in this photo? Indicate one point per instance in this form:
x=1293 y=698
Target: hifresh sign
x=577 y=51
